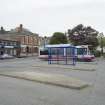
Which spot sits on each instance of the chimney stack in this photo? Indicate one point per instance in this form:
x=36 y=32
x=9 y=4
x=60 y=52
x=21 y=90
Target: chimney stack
x=21 y=27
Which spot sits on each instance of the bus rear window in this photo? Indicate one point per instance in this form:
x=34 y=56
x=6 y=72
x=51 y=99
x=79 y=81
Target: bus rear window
x=44 y=52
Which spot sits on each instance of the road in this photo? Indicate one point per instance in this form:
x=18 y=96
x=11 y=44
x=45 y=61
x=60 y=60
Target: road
x=21 y=92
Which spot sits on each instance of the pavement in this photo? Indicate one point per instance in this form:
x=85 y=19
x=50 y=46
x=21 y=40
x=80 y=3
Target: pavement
x=23 y=92
x=35 y=70
x=53 y=79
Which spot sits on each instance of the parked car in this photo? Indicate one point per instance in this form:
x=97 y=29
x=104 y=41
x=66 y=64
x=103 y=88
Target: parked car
x=6 y=56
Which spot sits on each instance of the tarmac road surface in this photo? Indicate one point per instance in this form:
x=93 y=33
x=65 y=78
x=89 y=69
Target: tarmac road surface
x=22 y=92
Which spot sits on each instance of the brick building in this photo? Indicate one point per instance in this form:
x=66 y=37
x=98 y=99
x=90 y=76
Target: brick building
x=28 y=41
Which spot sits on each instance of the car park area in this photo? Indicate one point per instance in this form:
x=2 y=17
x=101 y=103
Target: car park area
x=29 y=92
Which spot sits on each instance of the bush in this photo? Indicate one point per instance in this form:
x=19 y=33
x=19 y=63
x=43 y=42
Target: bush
x=97 y=53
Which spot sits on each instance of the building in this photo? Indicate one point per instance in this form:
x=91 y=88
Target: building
x=9 y=47
x=44 y=41
x=28 y=41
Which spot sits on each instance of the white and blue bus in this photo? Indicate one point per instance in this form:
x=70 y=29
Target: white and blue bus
x=82 y=52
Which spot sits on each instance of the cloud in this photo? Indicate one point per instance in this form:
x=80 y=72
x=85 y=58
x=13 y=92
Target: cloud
x=48 y=16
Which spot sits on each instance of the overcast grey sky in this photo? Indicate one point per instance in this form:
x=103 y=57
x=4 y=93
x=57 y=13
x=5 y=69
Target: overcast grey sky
x=48 y=16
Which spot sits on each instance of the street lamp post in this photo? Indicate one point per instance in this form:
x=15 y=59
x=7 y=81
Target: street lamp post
x=45 y=41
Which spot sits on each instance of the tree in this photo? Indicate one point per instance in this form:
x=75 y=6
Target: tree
x=2 y=31
x=81 y=35
x=58 y=38
x=101 y=40
x=104 y=41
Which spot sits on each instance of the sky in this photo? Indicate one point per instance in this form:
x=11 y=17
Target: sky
x=48 y=16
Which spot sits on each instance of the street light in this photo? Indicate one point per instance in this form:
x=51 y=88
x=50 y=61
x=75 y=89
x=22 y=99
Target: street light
x=45 y=41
